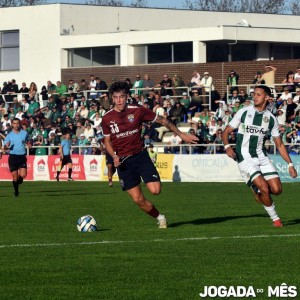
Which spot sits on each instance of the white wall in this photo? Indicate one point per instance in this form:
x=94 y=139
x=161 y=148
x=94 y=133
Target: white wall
x=39 y=28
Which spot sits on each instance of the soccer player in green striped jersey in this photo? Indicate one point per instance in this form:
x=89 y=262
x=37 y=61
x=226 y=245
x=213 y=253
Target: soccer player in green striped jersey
x=253 y=123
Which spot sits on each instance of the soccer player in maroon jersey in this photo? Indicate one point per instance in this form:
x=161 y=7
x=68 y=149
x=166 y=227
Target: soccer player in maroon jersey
x=122 y=127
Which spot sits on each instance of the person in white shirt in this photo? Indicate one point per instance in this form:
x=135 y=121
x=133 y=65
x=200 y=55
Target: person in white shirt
x=92 y=87
x=173 y=143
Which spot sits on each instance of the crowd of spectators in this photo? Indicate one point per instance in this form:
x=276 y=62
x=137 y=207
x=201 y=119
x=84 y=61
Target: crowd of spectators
x=78 y=108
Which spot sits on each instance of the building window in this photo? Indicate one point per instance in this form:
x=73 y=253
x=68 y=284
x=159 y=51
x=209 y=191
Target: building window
x=296 y=52
x=163 y=53
x=88 y=57
x=217 y=52
x=9 y=50
x=281 y=52
x=243 y=52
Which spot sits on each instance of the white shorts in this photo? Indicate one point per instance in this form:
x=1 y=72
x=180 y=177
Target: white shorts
x=250 y=168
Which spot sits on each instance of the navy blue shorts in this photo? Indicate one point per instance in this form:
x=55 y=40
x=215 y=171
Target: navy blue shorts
x=109 y=159
x=16 y=162
x=137 y=167
x=66 y=160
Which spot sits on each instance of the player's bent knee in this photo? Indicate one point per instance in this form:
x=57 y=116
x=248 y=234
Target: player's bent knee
x=276 y=190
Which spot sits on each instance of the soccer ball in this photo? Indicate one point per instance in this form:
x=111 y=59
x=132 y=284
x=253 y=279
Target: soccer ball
x=86 y=224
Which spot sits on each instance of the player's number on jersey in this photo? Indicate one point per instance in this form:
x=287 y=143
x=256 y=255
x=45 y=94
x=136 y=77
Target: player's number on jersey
x=114 y=128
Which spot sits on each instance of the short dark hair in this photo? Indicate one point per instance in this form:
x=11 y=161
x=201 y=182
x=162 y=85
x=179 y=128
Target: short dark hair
x=119 y=86
x=266 y=89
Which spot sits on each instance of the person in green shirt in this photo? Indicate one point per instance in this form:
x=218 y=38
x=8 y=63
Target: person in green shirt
x=61 y=89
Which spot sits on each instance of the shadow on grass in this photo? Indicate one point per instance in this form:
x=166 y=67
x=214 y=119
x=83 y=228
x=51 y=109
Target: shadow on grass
x=291 y=222
x=215 y=220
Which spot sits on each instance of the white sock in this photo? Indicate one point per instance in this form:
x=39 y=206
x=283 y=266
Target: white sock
x=160 y=217
x=272 y=212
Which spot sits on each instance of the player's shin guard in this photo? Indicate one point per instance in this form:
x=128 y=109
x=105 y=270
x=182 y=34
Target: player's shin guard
x=20 y=180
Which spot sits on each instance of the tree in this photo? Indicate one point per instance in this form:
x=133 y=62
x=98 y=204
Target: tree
x=105 y=2
x=251 y=6
x=139 y=3
x=295 y=7
x=10 y=3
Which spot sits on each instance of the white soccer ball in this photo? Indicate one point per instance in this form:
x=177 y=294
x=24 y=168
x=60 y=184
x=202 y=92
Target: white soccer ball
x=86 y=224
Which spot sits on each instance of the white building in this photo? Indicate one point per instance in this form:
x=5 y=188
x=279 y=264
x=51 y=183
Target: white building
x=36 y=42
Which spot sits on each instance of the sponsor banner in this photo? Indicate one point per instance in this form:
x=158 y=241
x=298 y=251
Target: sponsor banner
x=164 y=166
x=282 y=167
x=103 y=171
x=4 y=169
x=93 y=167
x=40 y=168
x=205 y=168
x=78 y=168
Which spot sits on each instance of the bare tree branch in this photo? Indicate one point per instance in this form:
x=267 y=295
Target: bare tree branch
x=139 y=3
x=106 y=2
x=295 y=7
x=11 y=3
x=252 y=6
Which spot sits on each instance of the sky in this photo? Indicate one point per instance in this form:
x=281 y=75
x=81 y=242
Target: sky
x=150 y=3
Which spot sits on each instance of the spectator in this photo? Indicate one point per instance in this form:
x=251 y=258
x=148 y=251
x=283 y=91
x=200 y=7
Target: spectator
x=191 y=149
x=73 y=88
x=100 y=85
x=177 y=82
x=148 y=84
x=128 y=81
x=177 y=112
x=105 y=101
x=235 y=97
x=269 y=77
x=232 y=81
x=79 y=129
x=297 y=96
x=158 y=109
x=166 y=86
x=82 y=89
x=195 y=80
x=258 y=79
x=83 y=111
x=297 y=78
x=243 y=96
x=290 y=110
x=92 y=87
x=137 y=85
x=173 y=144
x=40 y=143
x=281 y=116
x=152 y=154
x=185 y=101
x=150 y=134
x=289 y=82
x=88 y=131
x=24 y=90
x=207 y=83
x=284 y=96
x=74 y=145
x=195 y=105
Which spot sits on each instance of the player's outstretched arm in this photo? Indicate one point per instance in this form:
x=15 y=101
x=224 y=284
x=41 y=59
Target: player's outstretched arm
x=188 y=138
x=285 y=155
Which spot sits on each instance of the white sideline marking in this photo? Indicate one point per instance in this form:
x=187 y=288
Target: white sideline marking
x=150 y=241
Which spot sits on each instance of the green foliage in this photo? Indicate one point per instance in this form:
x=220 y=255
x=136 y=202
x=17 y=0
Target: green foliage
x=217 y=235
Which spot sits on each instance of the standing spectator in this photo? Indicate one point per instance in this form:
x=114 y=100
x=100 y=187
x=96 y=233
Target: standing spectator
x=137 y=85
x=152 y=154
x=177 y=82
x=269 y=78
x=290 y=110
x=206 y=83
x=100 y=86
x=195 y=80
x=61 y=89
x=148 y=85
x=297 y=78
x=73 y=88
x=24 y=90
x=83 y=88
x=258 y=79
x=92 y=87
x=289 y=81
x=232 y=81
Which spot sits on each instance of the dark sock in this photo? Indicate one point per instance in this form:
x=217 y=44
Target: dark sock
x=153 y=212
x=57 y=173
x=16 y=187
x=20 y=180
x=70 y=172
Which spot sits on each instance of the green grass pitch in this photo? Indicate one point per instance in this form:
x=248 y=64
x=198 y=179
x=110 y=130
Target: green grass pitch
x=217 y=235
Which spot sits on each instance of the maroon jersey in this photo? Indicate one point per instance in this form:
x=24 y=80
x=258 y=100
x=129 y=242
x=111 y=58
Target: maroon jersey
x=124 y=128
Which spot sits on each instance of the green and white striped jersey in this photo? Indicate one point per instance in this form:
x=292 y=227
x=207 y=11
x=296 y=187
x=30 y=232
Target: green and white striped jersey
x=253 y=127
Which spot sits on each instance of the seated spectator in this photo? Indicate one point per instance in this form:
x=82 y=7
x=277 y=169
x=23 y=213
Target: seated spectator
x=150 y=134
x=195 y=80
x=88 y=131
x=173 y=143
x=195 y=105
x=185 y=101
x=235 y=97
x=177 y=82
x=83 y=111
x=281 y=116
x=218 y=140
x=177 y=113
x=243 y=96
x=212 y=128
x=74 y=144
x=191 y=149
x=232 y=139
x=148 y=85
x=41 y=150
x=296 y=99
x=166 y=86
